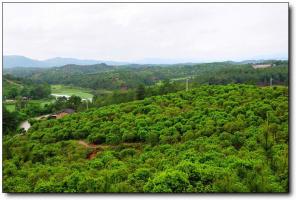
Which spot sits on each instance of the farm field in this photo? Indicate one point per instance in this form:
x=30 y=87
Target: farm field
x=71 y=90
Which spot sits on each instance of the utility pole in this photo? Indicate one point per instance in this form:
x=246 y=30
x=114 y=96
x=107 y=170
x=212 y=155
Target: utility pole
x=270 y=82
x=267 y=132
x=187 y=84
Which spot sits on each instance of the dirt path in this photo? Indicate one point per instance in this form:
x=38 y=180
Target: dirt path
x=93 y=153
x=86 y=144
x=102 y=147
x=14 y=83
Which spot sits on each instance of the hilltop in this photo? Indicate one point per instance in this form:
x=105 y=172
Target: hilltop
x=22 y=61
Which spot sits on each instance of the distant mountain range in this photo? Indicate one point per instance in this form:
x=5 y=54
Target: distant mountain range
x=22 y=61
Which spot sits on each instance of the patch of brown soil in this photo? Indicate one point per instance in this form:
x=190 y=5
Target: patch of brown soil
x=92 y=155
x=102 y=147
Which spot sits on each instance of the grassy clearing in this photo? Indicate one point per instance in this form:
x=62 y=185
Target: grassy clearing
x=11 y=105
x=70 y=90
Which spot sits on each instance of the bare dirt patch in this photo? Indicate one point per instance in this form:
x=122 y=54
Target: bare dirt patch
x=101 y=147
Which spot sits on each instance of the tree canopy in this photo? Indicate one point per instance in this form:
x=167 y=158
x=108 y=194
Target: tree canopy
x=226 y=138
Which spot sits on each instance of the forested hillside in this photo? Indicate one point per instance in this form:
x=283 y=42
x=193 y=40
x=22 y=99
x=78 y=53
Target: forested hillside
x=114 y=77
x=231 y=138
x=14 y=87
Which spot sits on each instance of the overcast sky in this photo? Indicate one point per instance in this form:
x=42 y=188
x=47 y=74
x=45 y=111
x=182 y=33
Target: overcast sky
x=132 y=32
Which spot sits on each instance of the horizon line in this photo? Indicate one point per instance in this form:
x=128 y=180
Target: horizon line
x=162 y=60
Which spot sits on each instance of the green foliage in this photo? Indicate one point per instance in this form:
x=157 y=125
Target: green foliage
x=14 y=87
x=106 y=77
x=97 y=138
x=168 y=181
x=74 y=102
x=231 y=138
x=140 y=92
x=10 y=120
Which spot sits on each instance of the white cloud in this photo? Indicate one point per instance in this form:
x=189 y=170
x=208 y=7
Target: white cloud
x=130 y=32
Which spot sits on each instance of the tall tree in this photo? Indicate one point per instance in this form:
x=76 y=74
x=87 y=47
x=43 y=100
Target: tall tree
x=140 y=93
x=74 y=102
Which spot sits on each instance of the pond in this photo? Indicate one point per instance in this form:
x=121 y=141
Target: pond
x=68 y=96
x=25 y=125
